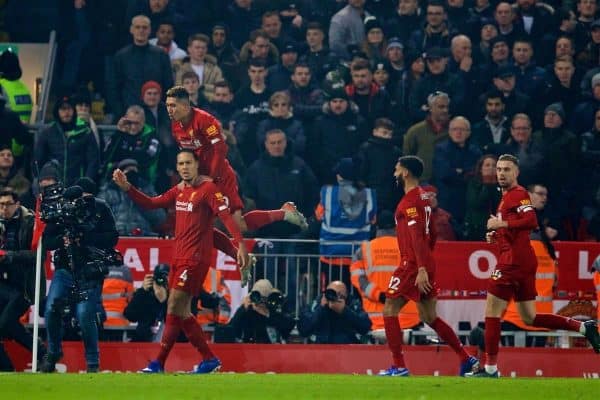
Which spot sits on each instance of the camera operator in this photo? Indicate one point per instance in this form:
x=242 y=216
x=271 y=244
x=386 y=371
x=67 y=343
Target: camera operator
x=149 y=304
x=17 y=272
x=333 y=321
x=261 y=318
x=81 y=228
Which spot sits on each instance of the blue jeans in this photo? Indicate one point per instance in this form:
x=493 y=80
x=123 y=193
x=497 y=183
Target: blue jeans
x=85 y=312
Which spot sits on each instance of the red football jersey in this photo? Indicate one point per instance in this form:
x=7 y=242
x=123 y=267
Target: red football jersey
x=195 y=211
x=414 y=230
x=203 y=135
x=513 y=242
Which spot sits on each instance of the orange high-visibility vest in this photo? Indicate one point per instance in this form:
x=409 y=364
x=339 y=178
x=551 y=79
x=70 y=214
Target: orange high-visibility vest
x=116 y=293
x=371 y=274
x=544 y=280
x=214 y=283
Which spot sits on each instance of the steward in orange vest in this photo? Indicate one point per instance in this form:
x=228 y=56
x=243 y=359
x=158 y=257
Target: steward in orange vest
x=545 y=281
x=214 y=284
x=116 y=294
x=375 y=262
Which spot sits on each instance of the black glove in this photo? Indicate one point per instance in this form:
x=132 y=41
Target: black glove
x=382 y=297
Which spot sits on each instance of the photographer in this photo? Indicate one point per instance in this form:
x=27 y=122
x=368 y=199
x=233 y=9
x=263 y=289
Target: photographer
x=17 y=272
x=81 y=228
x=261 y=318
x=148 y=304
x=333 y=321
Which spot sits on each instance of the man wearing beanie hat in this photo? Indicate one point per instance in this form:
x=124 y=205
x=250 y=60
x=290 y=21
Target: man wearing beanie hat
x=561 y=151
x=394 y=53
x=70 y=142
x=340 y=129
x=260 y=314
x=415 y=278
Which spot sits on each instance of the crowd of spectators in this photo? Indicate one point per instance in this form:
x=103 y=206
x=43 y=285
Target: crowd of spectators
x=300 y=85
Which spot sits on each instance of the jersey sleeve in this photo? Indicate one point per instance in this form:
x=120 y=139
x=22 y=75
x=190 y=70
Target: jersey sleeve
x=418 y=221
x=164 y=200
x=216 y=201
x=526 y=218
x=213 y=134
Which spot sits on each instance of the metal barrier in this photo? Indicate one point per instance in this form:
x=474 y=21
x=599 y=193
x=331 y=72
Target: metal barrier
x=295 y=267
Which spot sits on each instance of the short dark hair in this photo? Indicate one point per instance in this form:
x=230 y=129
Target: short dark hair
x=509 y=157
x=531 y=187
x=301 y=65
x=190 y=151
x=223 y=84
x=315 y=25
x=8 y=191
x=359 y=65
x=179 y=93
x=494 y=94
x=189 y=75
x=257 y=63
x=413 y=164
x=384 y=123
x=255 y=34
x=200 y=37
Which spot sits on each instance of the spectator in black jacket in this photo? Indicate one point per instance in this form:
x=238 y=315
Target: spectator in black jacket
x=376 y=158
x=70 y=142
x=134 y=65
x=262 y=318
x=334 y=320
x=148 y=304
x=17 y=272
x=307 y=98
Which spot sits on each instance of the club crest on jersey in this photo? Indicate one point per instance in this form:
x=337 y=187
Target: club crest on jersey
x=191 y=133
x=192 y=196
x=412 y=212
x=497 y=274
x=211 y=130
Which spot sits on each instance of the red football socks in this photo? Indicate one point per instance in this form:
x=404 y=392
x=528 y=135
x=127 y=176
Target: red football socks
x=492 y=340
x=258 y=218
x=447 y=335
x=553 y=321
x=169 y=337
x=193 y=331
x=393 y=332
x=222 y=242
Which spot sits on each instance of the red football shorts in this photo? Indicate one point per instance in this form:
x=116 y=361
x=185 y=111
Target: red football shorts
x=511 y=282
x=187 y=276
x=402 y=284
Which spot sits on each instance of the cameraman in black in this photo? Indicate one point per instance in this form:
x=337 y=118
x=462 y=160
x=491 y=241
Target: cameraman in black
x=17 y=273
x=83 y=235
x=261 y=318
x=334 y=321
x=149 y=304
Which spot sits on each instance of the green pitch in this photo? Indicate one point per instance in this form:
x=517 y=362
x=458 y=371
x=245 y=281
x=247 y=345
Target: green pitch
x=288 y=386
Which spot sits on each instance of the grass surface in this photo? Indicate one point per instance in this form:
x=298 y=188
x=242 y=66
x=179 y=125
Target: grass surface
x=287 y=386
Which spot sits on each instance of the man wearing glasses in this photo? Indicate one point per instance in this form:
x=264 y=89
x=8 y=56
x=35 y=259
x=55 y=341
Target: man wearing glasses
x=133 y=140
x=17 y=273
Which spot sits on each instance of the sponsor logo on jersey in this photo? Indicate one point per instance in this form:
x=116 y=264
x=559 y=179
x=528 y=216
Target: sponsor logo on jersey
x=184 y=206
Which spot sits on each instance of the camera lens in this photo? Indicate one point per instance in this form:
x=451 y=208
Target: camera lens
x=331 y=295
x=255 y=296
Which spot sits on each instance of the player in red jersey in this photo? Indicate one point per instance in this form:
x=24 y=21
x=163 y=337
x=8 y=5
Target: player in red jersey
x=199 y=131
x=414 y=279
x=514 y=275
x=197 y=202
